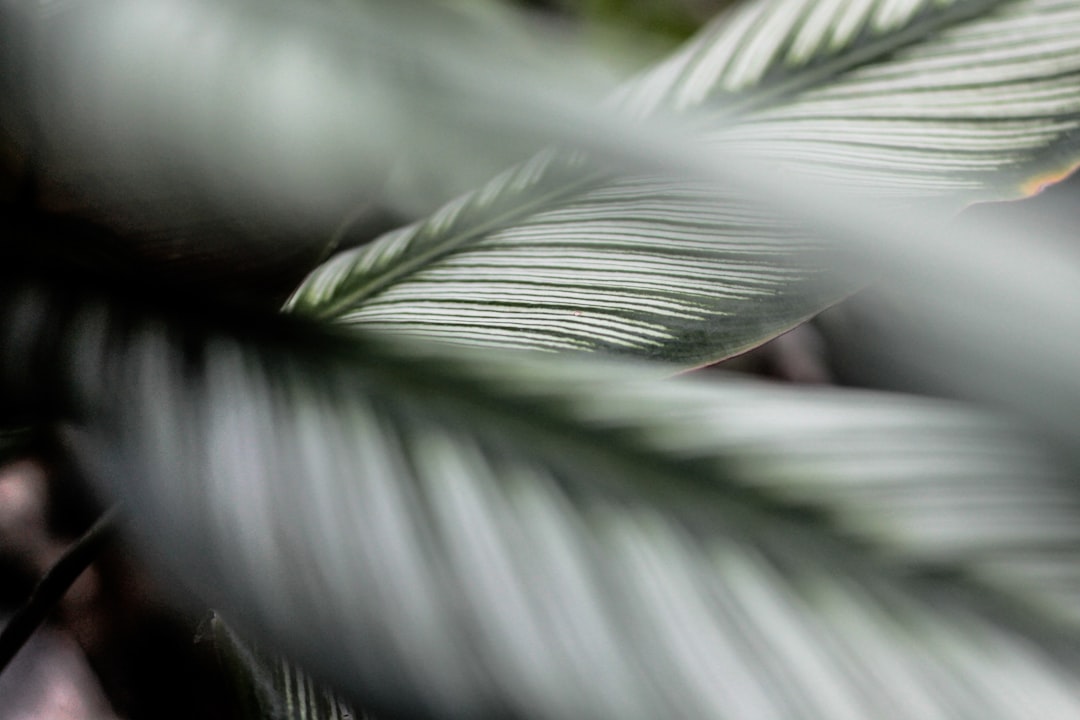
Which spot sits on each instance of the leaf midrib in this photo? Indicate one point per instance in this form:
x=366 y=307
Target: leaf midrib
x=535 y=204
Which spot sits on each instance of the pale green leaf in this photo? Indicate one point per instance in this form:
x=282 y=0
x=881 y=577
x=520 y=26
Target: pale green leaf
x=940 y=102
x=169 y=114
x=483 y=535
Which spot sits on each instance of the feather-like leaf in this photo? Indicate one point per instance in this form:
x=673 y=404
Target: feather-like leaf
x=466 y=535
x=947 y=102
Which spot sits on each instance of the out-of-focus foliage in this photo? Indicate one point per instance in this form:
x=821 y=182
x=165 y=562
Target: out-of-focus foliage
x=665 y=22
x=443 y=532
x=477 y=535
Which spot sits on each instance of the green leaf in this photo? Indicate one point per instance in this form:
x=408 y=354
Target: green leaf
x=283 y=119
x=272 y=688
x=456 y=534
x=940 y=102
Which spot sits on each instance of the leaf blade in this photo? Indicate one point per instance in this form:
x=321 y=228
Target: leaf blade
x=924 y=142
x=475 y=532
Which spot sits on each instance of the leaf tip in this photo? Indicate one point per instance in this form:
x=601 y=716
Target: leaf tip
x=1035 y=185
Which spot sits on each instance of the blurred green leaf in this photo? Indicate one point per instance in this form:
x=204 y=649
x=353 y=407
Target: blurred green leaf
x=277 y=119
x=475 y=534
x=472 y=535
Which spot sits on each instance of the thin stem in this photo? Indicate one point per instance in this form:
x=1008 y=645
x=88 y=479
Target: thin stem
x=52 y=588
